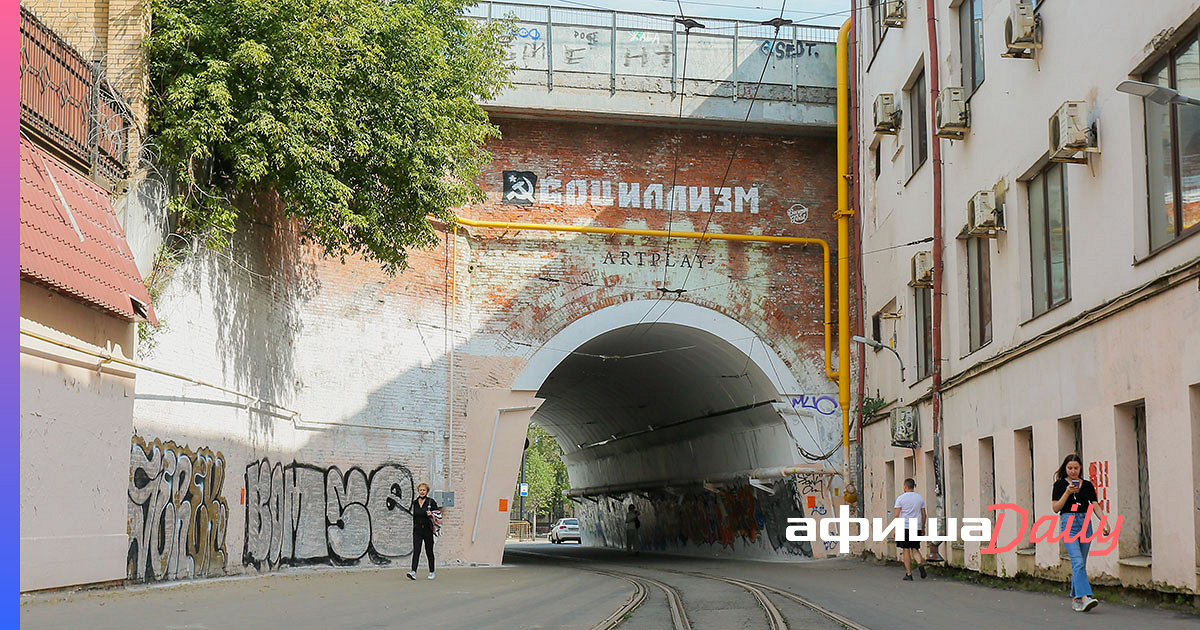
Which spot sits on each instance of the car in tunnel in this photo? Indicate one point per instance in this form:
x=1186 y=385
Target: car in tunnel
x=565 y=529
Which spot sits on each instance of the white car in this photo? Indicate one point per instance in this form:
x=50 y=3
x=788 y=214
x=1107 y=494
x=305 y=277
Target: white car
x=565 y=529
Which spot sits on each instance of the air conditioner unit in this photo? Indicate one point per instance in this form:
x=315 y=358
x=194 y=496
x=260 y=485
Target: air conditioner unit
x=1022 y=30
x=905 y=424
x=893 y=13
x=983 y=217
x=951 y=116
x=887 y=118
x=1071 y=133
x=922 y=269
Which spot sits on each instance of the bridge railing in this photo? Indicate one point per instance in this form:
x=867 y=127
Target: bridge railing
x=555 y=40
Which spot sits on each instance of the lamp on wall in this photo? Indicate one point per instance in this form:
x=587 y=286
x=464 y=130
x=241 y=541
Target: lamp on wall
x=1155 y=93
x=876 y=344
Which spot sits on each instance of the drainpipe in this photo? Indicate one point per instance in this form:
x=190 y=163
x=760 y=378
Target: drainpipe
x=844 y=214
x=936 y=156
x=856 y=194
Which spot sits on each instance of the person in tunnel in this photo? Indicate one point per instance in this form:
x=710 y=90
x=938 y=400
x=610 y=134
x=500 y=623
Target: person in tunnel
x=632 y=523
x=427 y=518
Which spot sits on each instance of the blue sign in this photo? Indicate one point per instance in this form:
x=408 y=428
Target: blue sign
x=524 y=490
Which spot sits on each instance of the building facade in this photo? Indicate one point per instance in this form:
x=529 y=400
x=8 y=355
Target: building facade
x=1063 y=316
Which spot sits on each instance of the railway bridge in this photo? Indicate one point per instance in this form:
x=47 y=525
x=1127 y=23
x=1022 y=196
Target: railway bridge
x=651 y=278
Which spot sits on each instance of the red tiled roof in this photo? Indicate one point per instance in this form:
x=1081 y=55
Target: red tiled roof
x=98 y=269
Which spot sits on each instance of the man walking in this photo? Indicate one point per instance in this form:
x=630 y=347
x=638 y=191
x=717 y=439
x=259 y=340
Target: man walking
x=910 y=505
x=632 y=523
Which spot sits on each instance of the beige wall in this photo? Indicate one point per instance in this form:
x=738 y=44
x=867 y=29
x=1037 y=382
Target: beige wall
x=497 y=420
x=75 y=426
x=1143 y=353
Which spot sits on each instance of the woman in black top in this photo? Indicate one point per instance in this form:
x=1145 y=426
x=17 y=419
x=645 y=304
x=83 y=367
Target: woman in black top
x=1072 y=497
x=421 y=507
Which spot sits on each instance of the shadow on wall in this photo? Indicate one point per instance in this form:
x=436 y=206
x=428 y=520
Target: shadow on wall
x=340 y=496
x=735 y=519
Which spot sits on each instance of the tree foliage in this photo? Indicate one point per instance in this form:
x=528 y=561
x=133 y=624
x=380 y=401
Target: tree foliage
x=362 y=115
x=545 y=472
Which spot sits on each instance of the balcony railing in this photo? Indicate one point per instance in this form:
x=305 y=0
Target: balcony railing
x=68 y=106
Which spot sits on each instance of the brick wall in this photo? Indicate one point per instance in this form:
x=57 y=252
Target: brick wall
x=345 y=343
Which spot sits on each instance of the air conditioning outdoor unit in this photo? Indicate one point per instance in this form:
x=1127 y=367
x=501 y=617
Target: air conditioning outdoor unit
x=887 y=119
x=893 y=15
x=983 y=218
x=1071 y=133
x=904 y=425
x=922 y=269
x=950 y=114
x=1022 y=30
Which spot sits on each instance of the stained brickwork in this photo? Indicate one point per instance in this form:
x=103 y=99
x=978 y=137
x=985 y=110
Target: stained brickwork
x=342 y=342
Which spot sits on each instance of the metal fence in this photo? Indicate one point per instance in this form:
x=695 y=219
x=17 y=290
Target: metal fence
x=67 y=103
x=555 y=39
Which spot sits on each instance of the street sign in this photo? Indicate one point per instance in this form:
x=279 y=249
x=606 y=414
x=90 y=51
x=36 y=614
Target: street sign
x=524 y=490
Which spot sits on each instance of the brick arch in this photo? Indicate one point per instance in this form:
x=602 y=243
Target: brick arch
x=607 y=316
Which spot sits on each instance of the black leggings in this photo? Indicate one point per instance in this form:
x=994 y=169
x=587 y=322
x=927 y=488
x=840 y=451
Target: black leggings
x=422 y=535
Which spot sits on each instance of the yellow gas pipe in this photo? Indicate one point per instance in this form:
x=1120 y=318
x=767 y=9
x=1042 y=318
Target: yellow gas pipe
x=844 y=214
x=709 y=236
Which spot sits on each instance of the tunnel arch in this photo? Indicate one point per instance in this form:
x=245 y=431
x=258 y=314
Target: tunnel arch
x=647 y=394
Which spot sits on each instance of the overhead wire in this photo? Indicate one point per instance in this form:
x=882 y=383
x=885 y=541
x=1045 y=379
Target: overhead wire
x=732 y=157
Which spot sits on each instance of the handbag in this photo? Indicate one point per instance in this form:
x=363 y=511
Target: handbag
x=435 y=519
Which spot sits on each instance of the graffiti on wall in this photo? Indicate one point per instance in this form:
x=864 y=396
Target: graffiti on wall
x=740 y=515
x=177 y=514
x=301 y=514
x=1098 y=474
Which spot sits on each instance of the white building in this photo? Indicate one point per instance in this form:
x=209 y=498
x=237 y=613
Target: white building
x=1074 y=323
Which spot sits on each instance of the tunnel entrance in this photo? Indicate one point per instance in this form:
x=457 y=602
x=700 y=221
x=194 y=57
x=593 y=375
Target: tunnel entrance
x=693 y=418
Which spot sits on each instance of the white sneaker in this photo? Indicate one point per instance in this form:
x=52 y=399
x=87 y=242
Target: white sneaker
x=1089 y=603
x=431 y=574
x=412 y=575
x=1076 y=605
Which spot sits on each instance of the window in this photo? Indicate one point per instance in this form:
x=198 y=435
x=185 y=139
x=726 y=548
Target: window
x=924 y=332
x=878 y=163
x=1173 y=148
x=987 y=476
x=1143 y=479
x=918 y=121
x=970 y=26
x=1023 y=465
x=954 y=479
x=1048 y=238
x=876 y=330
x=1070 y=437
x=979 y=291
x=1133 y=478
x=877 y=9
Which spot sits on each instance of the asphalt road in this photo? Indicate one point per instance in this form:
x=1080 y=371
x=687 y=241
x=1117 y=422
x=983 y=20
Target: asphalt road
x=568 y=586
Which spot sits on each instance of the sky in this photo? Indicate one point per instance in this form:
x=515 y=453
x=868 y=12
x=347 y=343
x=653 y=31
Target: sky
x=800 y=11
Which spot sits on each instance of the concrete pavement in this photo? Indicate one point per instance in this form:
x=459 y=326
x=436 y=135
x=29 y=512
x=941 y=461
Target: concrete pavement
x=557 y=587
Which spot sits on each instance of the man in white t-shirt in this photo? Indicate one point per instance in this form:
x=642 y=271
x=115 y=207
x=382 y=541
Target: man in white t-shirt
x=910 y=505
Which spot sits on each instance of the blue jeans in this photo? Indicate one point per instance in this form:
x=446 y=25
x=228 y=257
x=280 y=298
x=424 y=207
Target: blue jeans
x=1078 y=551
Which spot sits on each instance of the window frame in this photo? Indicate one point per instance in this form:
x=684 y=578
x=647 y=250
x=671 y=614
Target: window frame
x=923 y=335
x=1176 y=167
x=979 y=293
x=918 y=118
x=969 y=41
x=1049 y=302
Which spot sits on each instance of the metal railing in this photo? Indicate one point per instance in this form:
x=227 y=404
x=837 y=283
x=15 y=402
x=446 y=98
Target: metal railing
x=521 y=530
x=67 y=104
x=554 y=40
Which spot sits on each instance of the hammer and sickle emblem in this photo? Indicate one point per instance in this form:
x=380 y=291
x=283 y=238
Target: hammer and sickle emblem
x=519 y=187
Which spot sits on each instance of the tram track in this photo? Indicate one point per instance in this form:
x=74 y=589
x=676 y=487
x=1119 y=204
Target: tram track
x=762 y=594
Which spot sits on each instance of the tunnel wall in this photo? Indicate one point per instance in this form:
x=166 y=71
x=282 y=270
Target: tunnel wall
x=735 y=520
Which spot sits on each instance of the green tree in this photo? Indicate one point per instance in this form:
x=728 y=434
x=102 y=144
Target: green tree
x=362 y=115
x=545 y=473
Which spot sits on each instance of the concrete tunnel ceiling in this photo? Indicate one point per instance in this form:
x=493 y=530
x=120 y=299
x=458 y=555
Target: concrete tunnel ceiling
x=634 y=387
